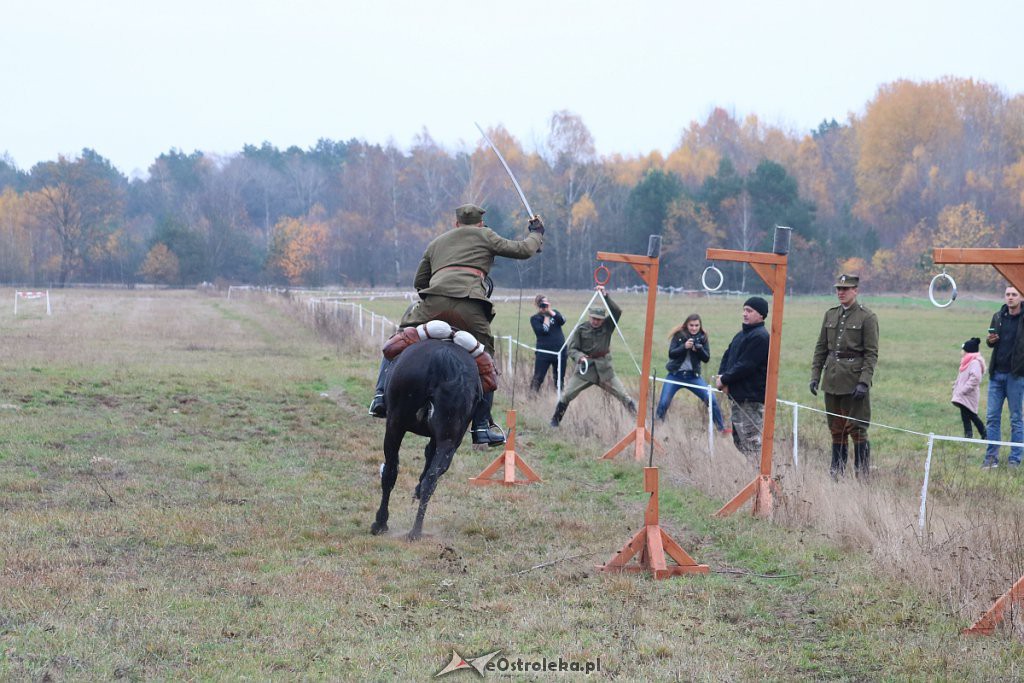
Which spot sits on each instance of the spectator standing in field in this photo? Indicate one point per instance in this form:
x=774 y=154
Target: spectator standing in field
x=1006 y=377
x=547 y=324
x=743 y=374
x=590 y=352
x=967 y=387
x=844 y=362
x=688 y=348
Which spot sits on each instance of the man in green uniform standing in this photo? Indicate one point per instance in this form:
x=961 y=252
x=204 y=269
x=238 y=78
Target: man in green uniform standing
x=847 y=352
x=589 y=350
x=451 y=284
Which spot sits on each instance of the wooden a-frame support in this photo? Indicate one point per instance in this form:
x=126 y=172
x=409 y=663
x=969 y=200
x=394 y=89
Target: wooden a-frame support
x=652 y=543
x=508 y=461
x=1010 y=264
x=772 y=269
x=647 y=268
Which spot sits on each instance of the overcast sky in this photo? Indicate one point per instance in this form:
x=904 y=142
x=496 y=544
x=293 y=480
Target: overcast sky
x=133 y=78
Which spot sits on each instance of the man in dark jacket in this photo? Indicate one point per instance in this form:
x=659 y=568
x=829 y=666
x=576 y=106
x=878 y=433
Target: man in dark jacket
x=743 y=374
x=1006 y=377
x=547 y=324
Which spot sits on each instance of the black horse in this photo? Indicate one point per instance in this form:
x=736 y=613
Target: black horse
x=433 y=387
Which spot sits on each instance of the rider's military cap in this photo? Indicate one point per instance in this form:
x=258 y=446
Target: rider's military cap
x=469 y=214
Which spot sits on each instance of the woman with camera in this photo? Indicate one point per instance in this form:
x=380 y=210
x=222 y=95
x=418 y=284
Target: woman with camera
x=547 y=325
x=688 y=348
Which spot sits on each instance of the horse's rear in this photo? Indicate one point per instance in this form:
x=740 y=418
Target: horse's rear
x=433 y=389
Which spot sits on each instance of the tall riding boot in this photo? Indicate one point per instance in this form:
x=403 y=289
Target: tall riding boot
x=484 y=429
x=838 y=467
x=560 y=409
x=862 y=460
x=377 y=407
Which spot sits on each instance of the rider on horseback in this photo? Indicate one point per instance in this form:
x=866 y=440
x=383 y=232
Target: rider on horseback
x=451 y=284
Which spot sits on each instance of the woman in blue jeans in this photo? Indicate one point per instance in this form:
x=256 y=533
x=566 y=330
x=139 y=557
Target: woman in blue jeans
x=688 y=348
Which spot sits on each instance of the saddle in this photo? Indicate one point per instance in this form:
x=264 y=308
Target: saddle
x=439 y=329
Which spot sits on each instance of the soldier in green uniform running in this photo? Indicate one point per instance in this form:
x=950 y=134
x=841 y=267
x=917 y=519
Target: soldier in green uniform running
x=590 y=358
x=451 y=284
x=844 y=362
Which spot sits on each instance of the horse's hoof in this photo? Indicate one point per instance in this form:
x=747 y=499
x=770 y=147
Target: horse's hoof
x=377 y=528
x=413 y=535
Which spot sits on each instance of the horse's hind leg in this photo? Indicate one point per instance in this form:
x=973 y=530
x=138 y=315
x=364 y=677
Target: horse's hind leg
x=392 y=442
x=428 y=457
x=428 y=482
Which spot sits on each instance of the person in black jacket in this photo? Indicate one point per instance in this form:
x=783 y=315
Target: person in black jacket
x=688 y=348
x=743 y=373
x=1006 y=377
x=547 y=324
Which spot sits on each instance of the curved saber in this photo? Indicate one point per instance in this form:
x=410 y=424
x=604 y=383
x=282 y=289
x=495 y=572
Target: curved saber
x=508 y=170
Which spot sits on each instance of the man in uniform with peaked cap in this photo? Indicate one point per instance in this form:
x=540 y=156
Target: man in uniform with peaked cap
x=451 y=281
x=844 y=363
x=589 y=350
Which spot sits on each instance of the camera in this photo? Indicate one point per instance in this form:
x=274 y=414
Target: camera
x=545 y=305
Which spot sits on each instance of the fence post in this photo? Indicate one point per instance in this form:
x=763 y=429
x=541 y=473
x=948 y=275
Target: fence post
x=360 y=316
x=558 y=383
x=924 y=487
x=711 y=425
x=373 y=324
x=796 y=434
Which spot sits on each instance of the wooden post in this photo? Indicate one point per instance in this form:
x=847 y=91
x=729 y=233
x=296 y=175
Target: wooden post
x=507 y=462
x=772 y=269
x=652 y=543
x=647 y=268
x=1010 y=264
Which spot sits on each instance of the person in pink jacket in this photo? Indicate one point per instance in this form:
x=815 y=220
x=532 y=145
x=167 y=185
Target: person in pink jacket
x=967 y=387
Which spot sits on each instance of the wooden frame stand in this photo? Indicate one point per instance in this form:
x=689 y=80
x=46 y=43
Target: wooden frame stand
x=652 y=542
x=508 y=461
x=1010 y=264
x=772 y=269
x=647 y=268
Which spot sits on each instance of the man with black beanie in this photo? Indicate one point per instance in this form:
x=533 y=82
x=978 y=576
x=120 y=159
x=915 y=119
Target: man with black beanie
x=743 y=374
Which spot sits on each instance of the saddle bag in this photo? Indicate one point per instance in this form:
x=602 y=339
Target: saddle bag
x=484 y=362
x=405 y=337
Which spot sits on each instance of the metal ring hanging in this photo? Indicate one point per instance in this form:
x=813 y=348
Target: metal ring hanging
x=603 y=270
x=704 y=279
x=583 y=367
x=931 y=289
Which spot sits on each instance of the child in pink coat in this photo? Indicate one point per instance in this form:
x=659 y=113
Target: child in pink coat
x=967 y=387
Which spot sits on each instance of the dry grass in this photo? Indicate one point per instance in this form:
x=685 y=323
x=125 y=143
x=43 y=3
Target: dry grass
x=243 y=472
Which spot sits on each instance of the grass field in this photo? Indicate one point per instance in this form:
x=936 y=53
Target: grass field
x=187 y=485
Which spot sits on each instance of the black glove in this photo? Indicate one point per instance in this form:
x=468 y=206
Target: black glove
x=535 y=226
x=813 y=386
x=860 y=391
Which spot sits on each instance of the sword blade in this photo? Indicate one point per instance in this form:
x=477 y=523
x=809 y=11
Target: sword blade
x=512 y=177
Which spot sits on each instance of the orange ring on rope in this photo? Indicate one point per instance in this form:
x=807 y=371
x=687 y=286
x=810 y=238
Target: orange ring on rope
x=607 y=275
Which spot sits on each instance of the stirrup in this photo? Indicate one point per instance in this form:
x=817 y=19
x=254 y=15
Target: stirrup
x=377 y=406
x=490 y=434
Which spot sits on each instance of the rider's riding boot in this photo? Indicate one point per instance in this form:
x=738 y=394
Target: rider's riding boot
x=560 y=409
x=839 y=455
x=862 y=460
x=377 y=407
x=485 y=431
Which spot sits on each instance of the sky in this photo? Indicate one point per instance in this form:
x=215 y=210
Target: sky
x=132 y=79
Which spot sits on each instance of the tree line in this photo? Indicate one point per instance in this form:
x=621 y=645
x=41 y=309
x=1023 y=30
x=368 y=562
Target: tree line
x=936 y=163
